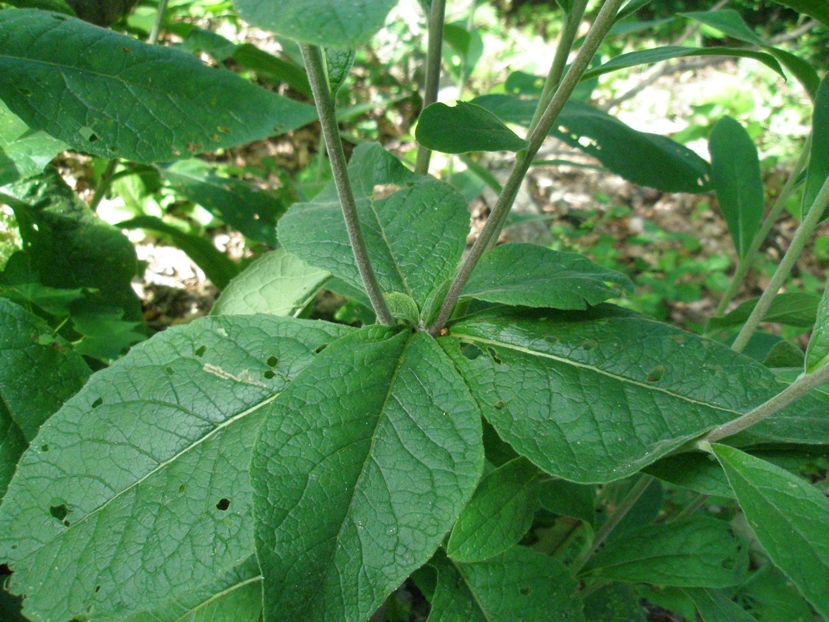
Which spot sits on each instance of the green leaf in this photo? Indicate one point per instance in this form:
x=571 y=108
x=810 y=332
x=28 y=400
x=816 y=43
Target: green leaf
x=74 y=81
x=692 y=470
x=568 y=499
x=701 y=552
x=668 y=52
x=150 y=456
x=714 y=606
x=644 y=159
x=69 y=247
x=813 y=8
x=251 y=211
x=499 y=514
x=12 y=444
x=59 y=6
x=328 y=23
x=415 y=227
x=534 y=276
x=277 y=283
x=236 y=595
x=105 y=335
x=403 y=308
x=818 y=171
x=339 y=64
x=216 y=265
x=23 y=152
x=519 y=580
x=772 y=597
x=593 y=399
x=790 y=518
x=738 y=181
x=817 y=355
x=102 y=12
x=615 y=603
x=359 y=471
x=792 y=309
x=464 y=128
x=272 y=68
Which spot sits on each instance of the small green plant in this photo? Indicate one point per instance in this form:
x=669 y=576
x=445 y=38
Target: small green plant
x=496 y=438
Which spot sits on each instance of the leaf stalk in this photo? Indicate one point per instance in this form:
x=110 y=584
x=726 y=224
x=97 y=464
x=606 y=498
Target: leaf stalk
x=801 y=237
x=498 y=217
x=437 y=17
x=326 y=110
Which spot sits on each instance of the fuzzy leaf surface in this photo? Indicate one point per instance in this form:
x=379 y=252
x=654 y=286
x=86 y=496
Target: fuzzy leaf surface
x=533 y=276
x=498 y=515
x=599 y=396
x=359 y=471
x=790 y=518
x=414 y=227
x=332 y=23
x=701 y=552
x=136 y=491
x=277 y=283
x=113 y=96
x=518 y=580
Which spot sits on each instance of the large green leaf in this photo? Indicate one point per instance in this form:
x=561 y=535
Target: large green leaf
x=817 y=354
x=595 y=399
x=790 y=518
x=113 y=96
x=359 y=471
x=69 y=247
x=250 y=210
x=642 y=158
x=415 y=236
x=568 y=499
x=813 y=8
x=818 y=171
x=771 y=597
x=534 y=276
x=791 y=308
x=668 y=52
x=333 y=23
x=38 y=371
x=216 y=265
x=463 y=128
x=136 y=491
x=714 y=606
x=236 y=595
x=738 y=181
x=23 y=152
x=277 y=283
x=701 y=552
x=519 y=582
x=498 y=515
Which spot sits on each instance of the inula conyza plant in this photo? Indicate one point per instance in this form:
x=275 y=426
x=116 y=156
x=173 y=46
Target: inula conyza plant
x=496 y=442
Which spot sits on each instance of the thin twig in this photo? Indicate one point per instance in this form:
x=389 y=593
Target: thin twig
x=493 y=226
x=326 y=111
x=614 y=519
x=434 y=57
x=780 y=401
x=801 y=237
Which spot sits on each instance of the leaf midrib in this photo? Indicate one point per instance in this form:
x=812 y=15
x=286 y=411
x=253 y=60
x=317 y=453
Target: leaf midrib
x=596 y=370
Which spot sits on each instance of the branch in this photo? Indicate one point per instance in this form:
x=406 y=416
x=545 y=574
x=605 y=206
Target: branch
x=330 y=131
x=604 y=21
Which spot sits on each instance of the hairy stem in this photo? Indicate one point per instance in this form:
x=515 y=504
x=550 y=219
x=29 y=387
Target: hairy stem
x=433 y=64
x=572 y=21
x=493 y=226
x=614 y=519
x=801 y=238
x=155 y=33
x=327 y=114
x=780 y=401
x=746 y=262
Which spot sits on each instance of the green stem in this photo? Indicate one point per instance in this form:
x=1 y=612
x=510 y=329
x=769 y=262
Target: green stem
x=746 y=262
x=614 y=519
x=801 y=237
x=492 y=228
x=437 y=16
x=780 y=401
x=12 y=202
x=326 y=111
x=103 y=185
x=155 y=33
x=572 y=21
